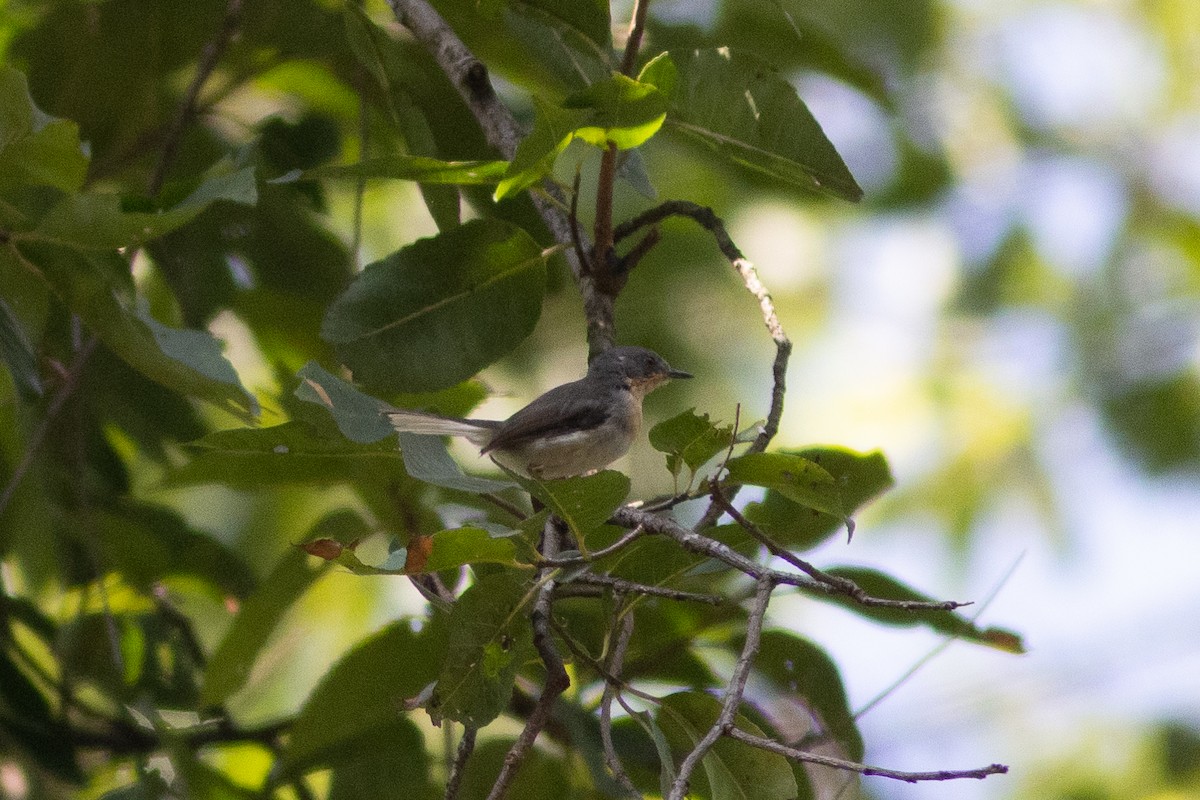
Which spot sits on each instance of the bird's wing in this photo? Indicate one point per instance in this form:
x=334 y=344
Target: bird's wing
x=561 y=410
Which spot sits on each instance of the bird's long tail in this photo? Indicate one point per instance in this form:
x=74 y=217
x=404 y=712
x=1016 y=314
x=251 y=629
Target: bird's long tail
x=476 y=431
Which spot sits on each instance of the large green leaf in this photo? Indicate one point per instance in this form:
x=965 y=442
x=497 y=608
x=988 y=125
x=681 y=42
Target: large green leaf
x=436 y=312
x=797 y=478
x=732 y=770
x=736 y=104
x=858 y=477
x=187 y=361
x=689 y=439
x=950 y=623
x=35 y=149
x=441 y=551
x=364 y=693
x=584 y=503
x=490 y=638
x=800 y=669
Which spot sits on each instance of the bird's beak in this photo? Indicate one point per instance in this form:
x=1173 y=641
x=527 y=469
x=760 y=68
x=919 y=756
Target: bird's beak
x=678 y=373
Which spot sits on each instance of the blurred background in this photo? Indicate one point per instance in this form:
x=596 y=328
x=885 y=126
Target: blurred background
x=1010 y=315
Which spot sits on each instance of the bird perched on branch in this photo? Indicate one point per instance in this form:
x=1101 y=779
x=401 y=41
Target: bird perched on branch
x=572 y=429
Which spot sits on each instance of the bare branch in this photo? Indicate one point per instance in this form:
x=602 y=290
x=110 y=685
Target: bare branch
x=733 y=696
x=634 y=43
x=862 y=769
x=621 y=586
x=557 y=680
x=187 y=109
x=616 y=661
x=466 y=746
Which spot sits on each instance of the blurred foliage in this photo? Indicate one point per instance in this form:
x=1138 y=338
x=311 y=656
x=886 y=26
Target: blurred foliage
x=1023 y=256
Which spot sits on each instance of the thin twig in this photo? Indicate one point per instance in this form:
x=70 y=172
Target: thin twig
x=733 y=695
x=862 y=769
x=69 y=385
x=466 y=746
x=572 y=561
x=621 y=586
x=616 y=661
x=504 y=505
x=557 y=680
x=208 y=62
x=634 y=43
x=698 y=543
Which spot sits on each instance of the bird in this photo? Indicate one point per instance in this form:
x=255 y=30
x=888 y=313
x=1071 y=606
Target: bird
x=574 y=429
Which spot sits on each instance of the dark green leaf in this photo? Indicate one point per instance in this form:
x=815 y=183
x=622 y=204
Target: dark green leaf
x=589 y=17
x=35 y=149
x=732 y=770
x=621 y=111
x=391 y=762
x=950 y=623
x=490 y=639
x=17 y=351
x=736 y=104
x=187 y=361
x=248 y=458
x=797 y=478
x=230 y=665
x=427 y=459
x=359 y=417
x=25 y=716
x=859 y=477
x=436 y=312
x=97 y=221
x=800 y=669
x=584 y=503
x=364 y=693
x=689 y=439
x=543 y=774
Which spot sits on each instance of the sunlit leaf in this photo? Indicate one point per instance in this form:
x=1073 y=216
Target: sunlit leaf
x=689 y=439
x=444 y=550
x=736 y=105
x=490 y=638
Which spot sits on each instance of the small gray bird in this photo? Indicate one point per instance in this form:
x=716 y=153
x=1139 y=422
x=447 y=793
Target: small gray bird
x=572 y=429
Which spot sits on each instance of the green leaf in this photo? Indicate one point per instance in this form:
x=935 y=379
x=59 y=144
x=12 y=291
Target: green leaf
x=364 y=693
x=589 y=17
x=98 y=222
x=184 y=360
x=584 y=503
x=553 y=128
x=859 y=478
x=735 y=104
x=800 y=669
x=490 y=639
x=622 y=111
x=26 y=719
x=392 y=762
x=617 y=110
x=427 y=459
x=950 y=623
x=248 y=458
x=35 y=148
x=689 y=439
x=797 y=478
x=448 y=550
x=410 y=168
x=358 y=416
x=545 y=773
x=230 y=665
x=436 y=312
x=732 y=770
x=17 y=351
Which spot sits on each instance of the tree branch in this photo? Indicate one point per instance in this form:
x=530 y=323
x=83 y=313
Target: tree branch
x=466 y=746
x=557 y=680
x=616 y=661
x=733 y=696
x=208 y=62
x=853 y=766
x=470 y=78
